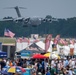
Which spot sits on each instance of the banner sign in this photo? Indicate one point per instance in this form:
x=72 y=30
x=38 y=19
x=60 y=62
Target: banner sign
x=26 y=55
x=71 y=51
x=3 y=55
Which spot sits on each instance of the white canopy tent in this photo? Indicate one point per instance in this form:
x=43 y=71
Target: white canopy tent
x=42 y=45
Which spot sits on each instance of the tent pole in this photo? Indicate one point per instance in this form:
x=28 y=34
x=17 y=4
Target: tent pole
x=8 y=51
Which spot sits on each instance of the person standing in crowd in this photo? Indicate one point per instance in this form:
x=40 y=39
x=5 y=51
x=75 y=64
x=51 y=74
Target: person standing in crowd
x=0 y=68
x=75 y=69
x=52 y=63
x=75 y=65
x=72 y=64
x=70 y=72
x=46 y=65
x=53 y=70
x=47 y=72
x=65 y=62
x=2 y=63
x=7 y=62
x=39 y=66
x=43 y=67
x=60 y=66
x=10 y=63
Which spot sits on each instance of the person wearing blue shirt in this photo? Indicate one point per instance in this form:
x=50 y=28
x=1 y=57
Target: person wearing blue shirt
x=47 y=72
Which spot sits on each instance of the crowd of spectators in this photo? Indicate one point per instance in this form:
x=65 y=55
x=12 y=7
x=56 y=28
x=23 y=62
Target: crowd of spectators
x=63 y=66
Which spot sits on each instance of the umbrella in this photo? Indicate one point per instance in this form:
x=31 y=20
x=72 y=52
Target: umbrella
x=38 y=56
x=47 y=54
x=53 y=55
x=16 y=69
x=4 y=70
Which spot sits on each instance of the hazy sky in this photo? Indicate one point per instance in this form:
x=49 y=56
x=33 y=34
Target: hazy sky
x=39 y=8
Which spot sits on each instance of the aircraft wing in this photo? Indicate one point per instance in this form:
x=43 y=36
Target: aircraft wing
x=4 y=19
x=19 y=19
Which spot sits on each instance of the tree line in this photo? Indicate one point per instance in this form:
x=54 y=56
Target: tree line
x=64 y=27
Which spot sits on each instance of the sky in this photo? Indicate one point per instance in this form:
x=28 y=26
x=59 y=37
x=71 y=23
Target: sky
x=39 y=8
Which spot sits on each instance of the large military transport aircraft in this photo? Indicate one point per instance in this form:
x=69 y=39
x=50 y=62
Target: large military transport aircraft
x=34 y=21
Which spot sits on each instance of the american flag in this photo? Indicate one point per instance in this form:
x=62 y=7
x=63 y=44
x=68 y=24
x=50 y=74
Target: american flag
x=8 y=33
